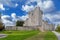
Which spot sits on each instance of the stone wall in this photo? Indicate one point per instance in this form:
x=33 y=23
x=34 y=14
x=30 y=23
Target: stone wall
x=35 y=17
x=20 y=28
x=47 y=26
x=10 y=28
x=35 y=20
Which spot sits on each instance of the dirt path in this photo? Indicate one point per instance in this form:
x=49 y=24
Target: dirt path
x=57 y=34
x=3 y=35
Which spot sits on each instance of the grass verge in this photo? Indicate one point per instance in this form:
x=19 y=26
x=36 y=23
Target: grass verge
x=44 y=36
x=19 y=35
x=50 y=36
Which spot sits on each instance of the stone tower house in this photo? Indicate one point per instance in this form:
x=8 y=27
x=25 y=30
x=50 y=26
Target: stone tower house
x=35 y=20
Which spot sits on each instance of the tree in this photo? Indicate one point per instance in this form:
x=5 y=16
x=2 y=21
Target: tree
x=58 y=28
x=19 y=23
x=1 y=24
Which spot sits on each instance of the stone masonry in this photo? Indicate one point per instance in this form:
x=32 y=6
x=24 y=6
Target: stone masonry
x=35 y=20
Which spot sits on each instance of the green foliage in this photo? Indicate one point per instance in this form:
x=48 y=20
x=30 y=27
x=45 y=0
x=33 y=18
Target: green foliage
x=50 y=36
x=29 y=35
x=58 y=28
x=19 y=35
x=19 y=23
x=1 y=26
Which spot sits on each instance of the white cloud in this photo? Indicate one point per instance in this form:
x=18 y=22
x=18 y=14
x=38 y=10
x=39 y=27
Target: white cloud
x=1 y=7
x=6 y=21
x=11 y=20
x=53 y=18
x=27 y=8
x=13 y=15
x=46 y=5
x=15 y=18
x=9 y=3
x=16 y=4
x=29 y=1
x=24 y=17
x=5 y=16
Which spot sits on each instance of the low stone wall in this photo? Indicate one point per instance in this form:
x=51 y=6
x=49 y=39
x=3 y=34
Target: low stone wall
x=23 y=28
x=19 y=28
x=10 y=28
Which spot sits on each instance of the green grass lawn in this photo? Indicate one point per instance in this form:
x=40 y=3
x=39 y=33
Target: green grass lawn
x=50 y=36
x=44 y=36
x=18 y=35
x=29 y=35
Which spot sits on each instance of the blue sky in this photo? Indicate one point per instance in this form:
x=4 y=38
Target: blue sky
x=13 y=10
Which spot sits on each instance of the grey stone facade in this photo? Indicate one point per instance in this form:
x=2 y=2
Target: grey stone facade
x=47 y=26
x=35 y=20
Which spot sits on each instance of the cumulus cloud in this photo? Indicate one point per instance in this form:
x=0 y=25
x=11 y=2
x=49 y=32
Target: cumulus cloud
x=46 y=6
x=9 y=3
x=29 y=1
x=24 y=17
x=11 y=20
x=16 y=4
x=13 y=15
x=53 y=18
x=1 y=7
x=6 y=20
x=27 y=8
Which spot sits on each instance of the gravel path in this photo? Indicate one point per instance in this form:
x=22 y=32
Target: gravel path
x=3 y=35
x=57 y=34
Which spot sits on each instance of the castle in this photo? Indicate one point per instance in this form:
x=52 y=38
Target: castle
x=35 y=20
